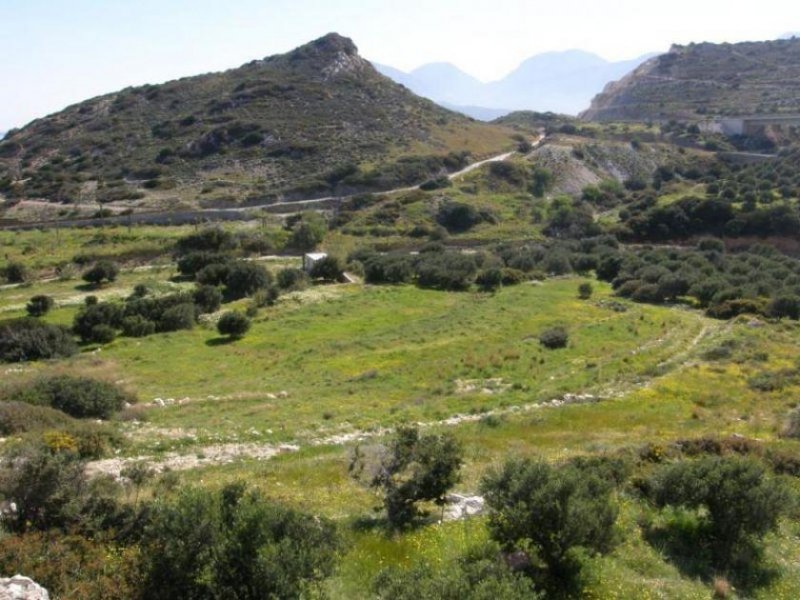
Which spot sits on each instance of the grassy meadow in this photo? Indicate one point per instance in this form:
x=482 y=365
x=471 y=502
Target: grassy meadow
x=339 y=359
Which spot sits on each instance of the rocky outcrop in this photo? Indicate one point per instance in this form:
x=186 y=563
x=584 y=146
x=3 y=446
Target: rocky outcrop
x=21 y=588
x=698 y=81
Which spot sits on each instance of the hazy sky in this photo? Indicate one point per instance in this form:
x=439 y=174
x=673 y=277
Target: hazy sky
x=57 y=52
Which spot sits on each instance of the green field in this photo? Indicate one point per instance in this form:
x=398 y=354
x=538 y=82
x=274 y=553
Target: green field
x=354 y=359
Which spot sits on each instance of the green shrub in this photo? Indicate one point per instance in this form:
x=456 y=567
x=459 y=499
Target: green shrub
x=38 y=306
x=137 y=326
x=15 y=272
x=102 y=334
x=245 y=279
x=72 y=566
x=554 y=338
x=328 y=268
x=388 y=268
x=103 y=270
x=80 y=397
x=292 y=279
x=175 y=318
x=479 y=575
x=555 y=513
x=233 y=324
x=413 y=469
x=785 y=306
x=308 y=231
x=46 y=486
x=108 y=314
x=30 y=339
x=191 y=264
x=512 y=276
x=21 y=417
x=207 y=298
x=213 y=274
x=213 y=239
x=446 y=270
x=489 y=280
x=233 y=544
x=585 y=291
x=738 y=504
x=458 y=217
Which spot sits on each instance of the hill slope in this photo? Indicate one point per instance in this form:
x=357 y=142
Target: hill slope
x=707 y=79
x=296 y=123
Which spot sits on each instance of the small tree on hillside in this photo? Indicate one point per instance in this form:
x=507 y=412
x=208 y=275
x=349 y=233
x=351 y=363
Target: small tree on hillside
x=16 y=273
x=38 y=306
x=328 y=268
x=554 y=338
x=412 y=469
x=233 y=324
x=585 y=291
x=103 y=270
x=550 y=511
x=738 y=501
x=245 y=279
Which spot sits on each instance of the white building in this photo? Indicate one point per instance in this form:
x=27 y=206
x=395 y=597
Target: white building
x=310 y=259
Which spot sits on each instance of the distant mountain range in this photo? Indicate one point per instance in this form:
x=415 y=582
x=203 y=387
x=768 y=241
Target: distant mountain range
x=563 y=82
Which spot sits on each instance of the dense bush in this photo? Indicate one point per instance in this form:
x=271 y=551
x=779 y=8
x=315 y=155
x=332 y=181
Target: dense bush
x=553 y=338
x=79 y=397
x=738 y=504
x=45 y=486
x=388 y=268
x=233 y=544
x=291 y=279
x=211 y=240
x=15 y=272
x=207 y=298
x=328 y=268
x=103 y=270
x=458 y=217
x=21 y=417
x=213 y=274
x=30 y=339
x=38 y=306
x=308 y=231
x=479 y=575
x=246 y=278
x=102 y=334
x=108 y=314
x=189 y=265
x=175 y=318
x=490 y=280
x=446 y=270
x=551 y=512
x=233 y=324
x=72 y=566
x=137 y=326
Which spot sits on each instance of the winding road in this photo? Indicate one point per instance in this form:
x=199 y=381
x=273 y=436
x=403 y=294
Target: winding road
x=238 y=213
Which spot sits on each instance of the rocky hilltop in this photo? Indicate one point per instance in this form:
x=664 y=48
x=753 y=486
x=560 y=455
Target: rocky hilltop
x=298 y=123
x=701 y=80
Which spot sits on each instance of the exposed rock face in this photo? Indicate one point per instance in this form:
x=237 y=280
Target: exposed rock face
x=701 y=80
x=21 y=588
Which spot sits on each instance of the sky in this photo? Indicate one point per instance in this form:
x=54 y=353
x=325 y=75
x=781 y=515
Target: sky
x=58 y=52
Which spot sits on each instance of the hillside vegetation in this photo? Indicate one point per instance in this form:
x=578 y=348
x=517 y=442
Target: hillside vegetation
x=315 y=121
x=693 y=81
